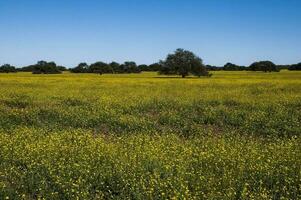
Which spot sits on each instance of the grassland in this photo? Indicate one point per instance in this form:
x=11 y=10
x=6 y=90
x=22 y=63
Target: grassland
x=235 y=135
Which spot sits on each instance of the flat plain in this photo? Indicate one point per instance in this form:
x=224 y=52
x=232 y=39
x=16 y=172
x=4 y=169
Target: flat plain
x=235 y=135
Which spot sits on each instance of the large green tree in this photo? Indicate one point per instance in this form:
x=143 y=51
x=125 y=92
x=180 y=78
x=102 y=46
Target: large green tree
x=184 y=63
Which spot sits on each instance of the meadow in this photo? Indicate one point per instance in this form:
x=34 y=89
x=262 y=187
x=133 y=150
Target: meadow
x=235 y=135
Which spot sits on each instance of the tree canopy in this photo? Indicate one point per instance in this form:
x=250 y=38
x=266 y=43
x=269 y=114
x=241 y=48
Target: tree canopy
x=7 y=68
x=233 y=67
x=183 y=62
x=43 y=67
x=102 y=67
x=80 y=68
x=130 y=67
x=213 y=68
x=295 y=67
x=266 y=66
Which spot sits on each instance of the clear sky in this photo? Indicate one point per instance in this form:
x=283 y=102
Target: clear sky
x=219 y=31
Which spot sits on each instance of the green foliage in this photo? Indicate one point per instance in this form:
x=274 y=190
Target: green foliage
x=266 y=66
x=100 y=67
x=6 y=68
x=104 y=68
x=43 y=67
x=295 y=67
x=61 y=68
x=129 y=67
x=80 y=68
x=116 y=67
x=29 y=68
x=183 y=63
x=155 y=67
x=233 y=67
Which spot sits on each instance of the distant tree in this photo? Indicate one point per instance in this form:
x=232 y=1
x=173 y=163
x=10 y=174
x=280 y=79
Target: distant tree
x=28 y=68
x=295 y=67
x=280 y=67
x=7 y=68
x=213 y=68
x=100 y=67
x=233 y=67
x=152 y=67
x=43 y=67
x=80 y=68
x=183 y=63
x=266 y=66
x=230 y=67
x=115 y=66
x=62 y=68
x=143 y=67
x=155 y=67
x=129 y=67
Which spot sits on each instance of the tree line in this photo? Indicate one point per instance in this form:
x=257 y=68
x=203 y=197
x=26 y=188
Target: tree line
x=44 y=67
x=41 y=67
x=266 y=66
x=181 y=62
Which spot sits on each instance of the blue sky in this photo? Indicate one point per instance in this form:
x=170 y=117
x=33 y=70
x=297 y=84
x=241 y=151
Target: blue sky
x=219 y=31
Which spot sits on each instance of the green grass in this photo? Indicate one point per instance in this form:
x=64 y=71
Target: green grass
x=235 y=135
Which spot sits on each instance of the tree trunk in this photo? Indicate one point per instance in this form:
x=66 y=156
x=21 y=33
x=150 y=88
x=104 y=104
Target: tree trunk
x=183 y=75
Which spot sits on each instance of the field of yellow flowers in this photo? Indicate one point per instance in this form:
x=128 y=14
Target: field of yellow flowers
x=236 y=135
